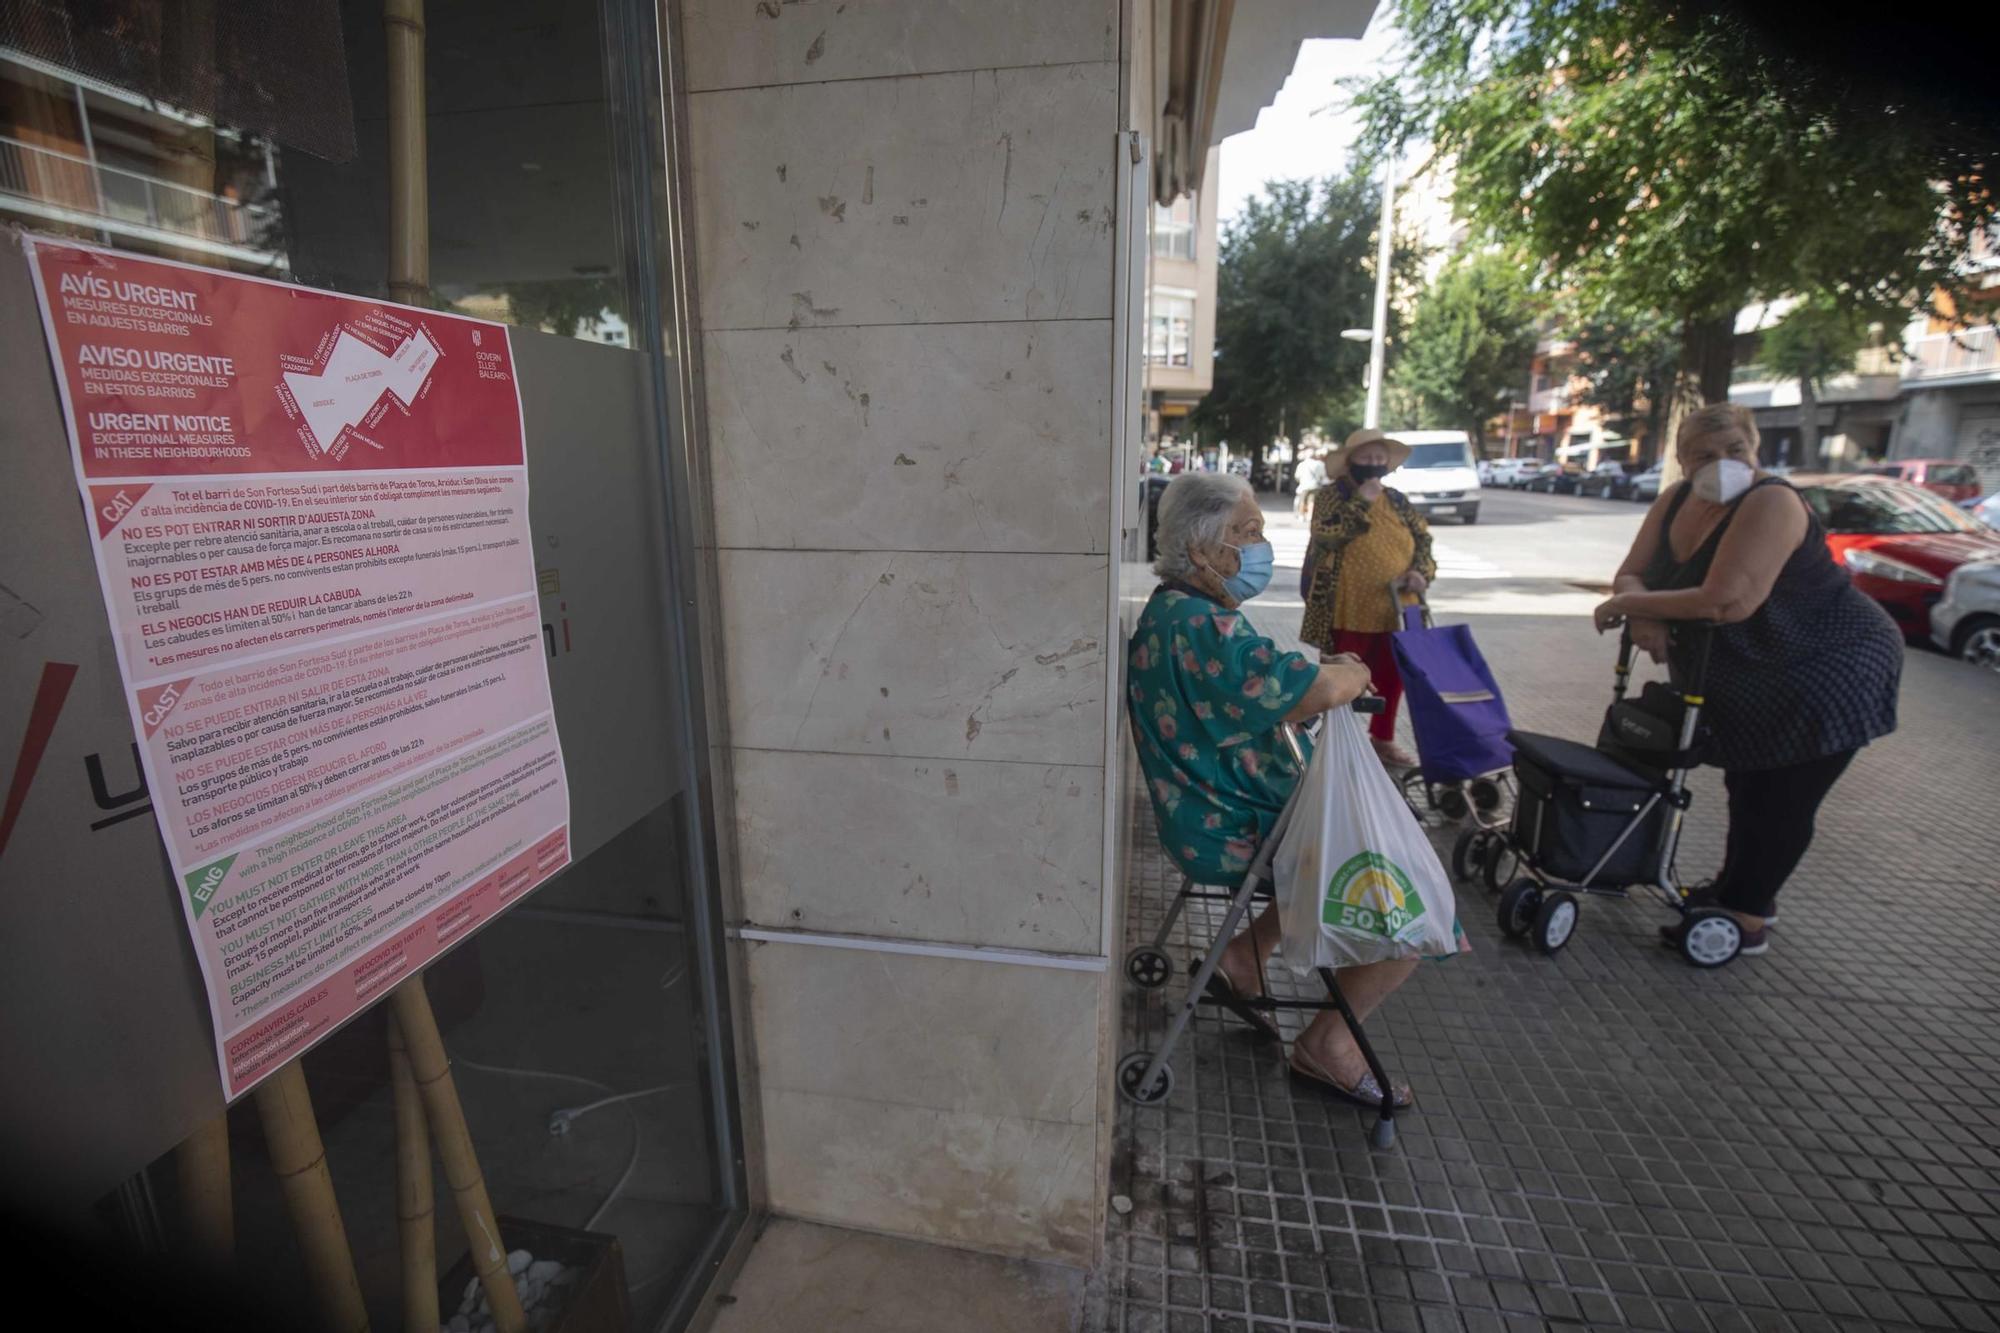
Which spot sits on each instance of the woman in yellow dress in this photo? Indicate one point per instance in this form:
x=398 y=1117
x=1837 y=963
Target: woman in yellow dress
x=1370 y=556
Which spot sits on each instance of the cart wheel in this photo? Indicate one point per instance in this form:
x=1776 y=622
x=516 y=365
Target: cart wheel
x=1452 y=802
x=1555 y=921
x=1710 y=938
x=1485 y=793
x=1132 y=1068
x=1148 y=967
x=1468 y=853
x=1501 y=863
x=1518 y=906
x=1382 y=1134
x=1416 y=792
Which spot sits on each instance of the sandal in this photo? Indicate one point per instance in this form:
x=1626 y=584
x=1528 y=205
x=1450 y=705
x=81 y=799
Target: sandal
x=1394 y=756
x=1363 y=1092
x=1222 y=992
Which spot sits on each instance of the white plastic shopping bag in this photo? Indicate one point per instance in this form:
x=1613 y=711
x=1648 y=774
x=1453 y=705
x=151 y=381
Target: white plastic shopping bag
x=1357 y=880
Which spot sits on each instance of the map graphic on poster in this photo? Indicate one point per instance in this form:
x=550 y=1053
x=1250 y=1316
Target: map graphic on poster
x=342 y=394
x=310 y=516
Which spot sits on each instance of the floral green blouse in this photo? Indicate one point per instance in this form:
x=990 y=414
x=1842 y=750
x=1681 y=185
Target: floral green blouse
x=1207 y=693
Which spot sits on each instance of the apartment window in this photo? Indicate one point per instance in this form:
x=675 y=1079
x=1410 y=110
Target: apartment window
x=1173 y=228
x=1170 y=328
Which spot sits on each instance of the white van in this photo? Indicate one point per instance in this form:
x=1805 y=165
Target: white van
x=1440 y=477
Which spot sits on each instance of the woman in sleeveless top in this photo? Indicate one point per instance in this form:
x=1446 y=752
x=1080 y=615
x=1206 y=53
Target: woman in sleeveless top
x=1803 y=668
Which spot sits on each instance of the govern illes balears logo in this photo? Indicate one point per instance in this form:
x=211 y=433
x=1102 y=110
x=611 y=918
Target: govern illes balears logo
x=202 y=883
x=1370 y=893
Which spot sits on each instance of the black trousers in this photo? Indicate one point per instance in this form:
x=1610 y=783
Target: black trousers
x=1771 y=814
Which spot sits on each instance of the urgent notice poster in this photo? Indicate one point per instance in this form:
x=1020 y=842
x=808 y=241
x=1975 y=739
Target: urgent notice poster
x=310 y=514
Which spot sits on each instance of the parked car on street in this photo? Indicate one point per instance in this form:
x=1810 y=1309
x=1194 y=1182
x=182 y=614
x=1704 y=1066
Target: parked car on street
x=1525 y=471
x=1954 y=481
x=1646 y=486
x=1439 y=476
x=1899 y=542
x=1558 y=479
x=1611 y=479
x=1966 y=623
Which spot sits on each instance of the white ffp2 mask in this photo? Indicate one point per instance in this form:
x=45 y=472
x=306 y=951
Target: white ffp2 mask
x=1723 y=480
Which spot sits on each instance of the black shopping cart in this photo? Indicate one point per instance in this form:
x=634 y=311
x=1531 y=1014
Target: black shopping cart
x=1606 y=818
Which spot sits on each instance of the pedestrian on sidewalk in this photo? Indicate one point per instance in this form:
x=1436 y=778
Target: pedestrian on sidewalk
x=1369 y=556
x=1207 y=695
x=1803 y=668
x=1308 y=477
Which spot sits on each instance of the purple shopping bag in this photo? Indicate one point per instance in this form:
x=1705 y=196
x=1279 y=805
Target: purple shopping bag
x=1455 y=705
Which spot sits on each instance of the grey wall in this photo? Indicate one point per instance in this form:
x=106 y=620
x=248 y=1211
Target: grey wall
x=904 y=218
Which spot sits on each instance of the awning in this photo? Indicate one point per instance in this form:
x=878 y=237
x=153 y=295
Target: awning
x=1225 y=63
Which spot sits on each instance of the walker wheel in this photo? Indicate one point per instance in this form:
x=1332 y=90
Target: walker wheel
x=1485 y=794
x=1148 y=967
x=1502 y=862
x=1555 y=921
x=1710 y=938
x=1468 y=853
x=1382 y=1134
x=1132 y=1068
x=1518 y=906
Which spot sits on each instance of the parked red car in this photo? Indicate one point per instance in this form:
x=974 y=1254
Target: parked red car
x=1956 y=482
x=1899 y=542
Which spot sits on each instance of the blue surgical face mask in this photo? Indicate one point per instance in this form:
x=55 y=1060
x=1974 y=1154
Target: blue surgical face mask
x=1253 y=573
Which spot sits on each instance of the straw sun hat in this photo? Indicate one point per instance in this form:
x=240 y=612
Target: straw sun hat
x=1337 y=461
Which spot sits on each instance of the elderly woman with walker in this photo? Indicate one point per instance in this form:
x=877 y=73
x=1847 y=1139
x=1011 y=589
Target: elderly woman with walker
x=1209 y=698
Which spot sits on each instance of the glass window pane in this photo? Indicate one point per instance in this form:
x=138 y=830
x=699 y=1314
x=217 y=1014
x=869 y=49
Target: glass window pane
x=583 y=1022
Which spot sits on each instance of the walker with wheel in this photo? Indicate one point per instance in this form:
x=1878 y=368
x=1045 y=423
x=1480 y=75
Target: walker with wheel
x=1146 y=1077
x=1605 y=819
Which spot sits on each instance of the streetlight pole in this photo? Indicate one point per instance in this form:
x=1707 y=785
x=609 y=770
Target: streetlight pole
x=1371 y=414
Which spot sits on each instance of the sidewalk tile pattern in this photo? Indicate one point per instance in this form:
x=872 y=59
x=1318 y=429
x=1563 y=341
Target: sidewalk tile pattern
x=1809 y=1140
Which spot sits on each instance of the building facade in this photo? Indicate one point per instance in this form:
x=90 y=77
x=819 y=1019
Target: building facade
x=1180 y=311
x=1933 y=392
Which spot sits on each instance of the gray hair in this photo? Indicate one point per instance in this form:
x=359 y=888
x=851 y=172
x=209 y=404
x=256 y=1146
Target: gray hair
x=1194 y=511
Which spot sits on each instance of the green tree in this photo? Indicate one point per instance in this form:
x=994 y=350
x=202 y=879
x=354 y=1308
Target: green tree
x=1818 y=339
x=1294 y=269
x=563 y=305
x=1656 y=157
x=1470 y=343
x=1628 y=363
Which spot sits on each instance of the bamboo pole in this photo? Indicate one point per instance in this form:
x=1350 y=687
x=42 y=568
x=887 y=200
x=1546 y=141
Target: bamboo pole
x=461 y=1164
x=202 y=1165
x=409 y=155
x=299 y=1160
x=415 y=1200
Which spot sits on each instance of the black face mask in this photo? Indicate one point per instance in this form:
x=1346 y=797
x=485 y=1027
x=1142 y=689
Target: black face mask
x=1367 y=472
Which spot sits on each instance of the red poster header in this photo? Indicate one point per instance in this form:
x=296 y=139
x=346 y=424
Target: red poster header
x=170 y=370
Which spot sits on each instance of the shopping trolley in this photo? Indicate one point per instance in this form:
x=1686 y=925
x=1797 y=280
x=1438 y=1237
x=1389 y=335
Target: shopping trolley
x=1461 y=725
x=1607 y=819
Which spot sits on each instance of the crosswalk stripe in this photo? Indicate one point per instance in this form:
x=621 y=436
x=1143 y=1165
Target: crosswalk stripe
x=1288 y=548
x=1456 y=564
